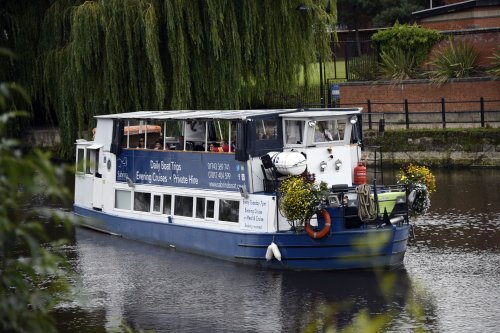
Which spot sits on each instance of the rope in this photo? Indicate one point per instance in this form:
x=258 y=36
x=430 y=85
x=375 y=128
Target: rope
x=366 y=206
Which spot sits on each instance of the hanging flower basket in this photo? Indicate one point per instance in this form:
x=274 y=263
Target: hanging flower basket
x=421 y=183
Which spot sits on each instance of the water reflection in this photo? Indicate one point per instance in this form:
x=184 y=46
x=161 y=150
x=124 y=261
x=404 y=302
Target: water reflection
x=165 y=290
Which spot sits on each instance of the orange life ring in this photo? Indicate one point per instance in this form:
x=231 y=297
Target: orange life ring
x=324 y=231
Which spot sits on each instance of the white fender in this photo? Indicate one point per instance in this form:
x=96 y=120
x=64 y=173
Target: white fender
x=269 y=253
x=289 y=162
x=276 y=251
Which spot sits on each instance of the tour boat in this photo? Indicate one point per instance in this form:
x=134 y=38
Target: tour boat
x=207 y=182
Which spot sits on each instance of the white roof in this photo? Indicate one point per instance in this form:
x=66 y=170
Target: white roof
x=227 y=114
x=317 y=113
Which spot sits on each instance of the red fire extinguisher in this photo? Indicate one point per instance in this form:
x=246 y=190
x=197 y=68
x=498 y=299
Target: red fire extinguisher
x=360 y=174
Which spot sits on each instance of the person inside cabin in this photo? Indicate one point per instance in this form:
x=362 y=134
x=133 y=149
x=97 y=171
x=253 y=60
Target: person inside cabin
x=158 y=145
x=225 y=146
x=140 y=145
x=322 y=133
x=216 y=148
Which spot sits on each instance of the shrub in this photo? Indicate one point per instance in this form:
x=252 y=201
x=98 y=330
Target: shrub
x=300 y=198
x=397 y=64
x=363 y=68
x=410 y=39
x=454 y=61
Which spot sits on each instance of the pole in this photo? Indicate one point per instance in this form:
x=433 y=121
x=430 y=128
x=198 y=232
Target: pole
x=321 y=97
x=407 y=114
x=481 y=102
x=443 y=111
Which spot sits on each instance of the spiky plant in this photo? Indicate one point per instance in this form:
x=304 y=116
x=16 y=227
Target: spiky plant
x=495 y=69
x=457 y=60
x=397 y=65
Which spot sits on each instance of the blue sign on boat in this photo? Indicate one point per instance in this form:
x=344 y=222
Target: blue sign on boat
x=195 y=170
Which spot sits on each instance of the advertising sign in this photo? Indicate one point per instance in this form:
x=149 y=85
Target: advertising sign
x=216 y=171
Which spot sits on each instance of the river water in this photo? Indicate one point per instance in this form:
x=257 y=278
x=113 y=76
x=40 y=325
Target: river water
x=450 y=282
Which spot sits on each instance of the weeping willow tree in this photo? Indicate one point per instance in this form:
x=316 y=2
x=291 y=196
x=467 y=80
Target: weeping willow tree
x=111 y=56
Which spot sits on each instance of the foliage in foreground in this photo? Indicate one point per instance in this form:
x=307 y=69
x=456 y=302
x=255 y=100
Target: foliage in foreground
x=32 y=275
x=457 y=60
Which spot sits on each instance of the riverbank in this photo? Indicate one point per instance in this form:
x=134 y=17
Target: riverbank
x=444 y=148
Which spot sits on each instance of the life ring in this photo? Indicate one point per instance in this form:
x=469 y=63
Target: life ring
x=324 y=231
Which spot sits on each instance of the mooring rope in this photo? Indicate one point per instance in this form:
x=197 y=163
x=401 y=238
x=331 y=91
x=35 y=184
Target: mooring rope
x=366 y=206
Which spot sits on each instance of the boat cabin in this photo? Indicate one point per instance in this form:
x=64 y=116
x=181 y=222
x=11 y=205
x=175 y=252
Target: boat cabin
x=149 y=161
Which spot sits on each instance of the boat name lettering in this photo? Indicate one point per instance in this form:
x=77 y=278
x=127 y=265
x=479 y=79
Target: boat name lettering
x=161 y=165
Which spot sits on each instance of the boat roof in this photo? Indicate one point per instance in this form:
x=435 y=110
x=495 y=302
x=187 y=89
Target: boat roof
x=310 y=113
x=228 y=114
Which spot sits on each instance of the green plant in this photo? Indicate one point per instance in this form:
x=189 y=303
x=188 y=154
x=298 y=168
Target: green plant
x=454 y=61
x=300 y=198
x=397 y=64
x=495 y=68
x=421 y=180
x=363 y=67
x=32 y=275
x=410 y=39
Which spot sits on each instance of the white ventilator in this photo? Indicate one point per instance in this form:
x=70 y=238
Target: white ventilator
x=273 y=251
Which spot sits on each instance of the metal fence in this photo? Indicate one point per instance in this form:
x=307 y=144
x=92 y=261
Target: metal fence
x=403 y=114
x=435 y=114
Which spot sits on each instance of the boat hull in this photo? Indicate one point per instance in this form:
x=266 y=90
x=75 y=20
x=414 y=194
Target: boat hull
x=340 y=250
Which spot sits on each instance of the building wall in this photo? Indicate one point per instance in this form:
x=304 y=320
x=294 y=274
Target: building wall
x=460 y=95
x=483 y=17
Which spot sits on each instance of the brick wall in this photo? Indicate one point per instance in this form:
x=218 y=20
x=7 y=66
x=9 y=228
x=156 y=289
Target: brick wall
x=463 y=95
x=485 y=43
x=466 y=23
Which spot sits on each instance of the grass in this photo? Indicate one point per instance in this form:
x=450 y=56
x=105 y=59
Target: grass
x=313 y=72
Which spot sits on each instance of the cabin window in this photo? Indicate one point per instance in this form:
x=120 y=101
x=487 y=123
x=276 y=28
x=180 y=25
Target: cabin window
x=87 y=163
x=229 y=210
x=142 y=201
x=200 y=208
x=183 y=206
x=156 y=203
x=341 y=125
x=122 y=199
x=210 y=214
x=80 y=160
x=266 y=129
x=329 y=130
x=294 y=131
x=167 y=204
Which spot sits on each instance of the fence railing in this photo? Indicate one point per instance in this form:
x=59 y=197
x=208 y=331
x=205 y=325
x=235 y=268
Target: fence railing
x=407 y=114
x=442 y=113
